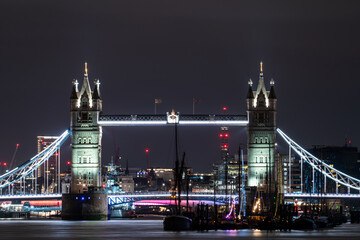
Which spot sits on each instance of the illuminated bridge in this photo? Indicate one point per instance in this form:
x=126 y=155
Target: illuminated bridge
x=86 y=136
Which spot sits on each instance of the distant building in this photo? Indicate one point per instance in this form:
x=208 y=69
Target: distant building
x=127 y=184
x=291 y=174
x=343 y=158
x=228 y=180
x=201 y=183
x=46 y=176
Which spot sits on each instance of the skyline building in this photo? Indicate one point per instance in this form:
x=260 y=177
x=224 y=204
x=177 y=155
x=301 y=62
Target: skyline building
x=47 y=176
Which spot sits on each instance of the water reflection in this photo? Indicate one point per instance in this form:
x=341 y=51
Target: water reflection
x=150 y=229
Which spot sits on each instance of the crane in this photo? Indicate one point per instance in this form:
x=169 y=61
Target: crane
x=14 y=155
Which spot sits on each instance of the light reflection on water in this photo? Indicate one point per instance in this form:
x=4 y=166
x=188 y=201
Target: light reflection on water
x=150 y=229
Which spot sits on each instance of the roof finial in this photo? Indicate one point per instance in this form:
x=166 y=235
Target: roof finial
x=261 y=67
x=86 y=69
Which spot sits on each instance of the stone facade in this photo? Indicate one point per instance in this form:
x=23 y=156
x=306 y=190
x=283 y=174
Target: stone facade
x=86 y=106
x=261 y=135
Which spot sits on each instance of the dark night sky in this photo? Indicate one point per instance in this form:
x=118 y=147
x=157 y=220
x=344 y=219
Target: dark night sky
x=177 y=50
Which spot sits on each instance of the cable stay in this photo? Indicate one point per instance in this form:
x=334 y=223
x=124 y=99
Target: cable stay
x=321 y=166
x=27 y=167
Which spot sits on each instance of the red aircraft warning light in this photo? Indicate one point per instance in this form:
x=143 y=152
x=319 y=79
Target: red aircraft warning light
x=147 y=150
x=5 y=163
x=224 y=108
x=68 y=162
x=226 y=135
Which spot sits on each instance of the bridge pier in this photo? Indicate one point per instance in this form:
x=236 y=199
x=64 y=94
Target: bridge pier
x=84 y=206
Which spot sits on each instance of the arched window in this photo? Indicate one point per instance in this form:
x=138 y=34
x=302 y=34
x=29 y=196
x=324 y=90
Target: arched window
x=261 y=159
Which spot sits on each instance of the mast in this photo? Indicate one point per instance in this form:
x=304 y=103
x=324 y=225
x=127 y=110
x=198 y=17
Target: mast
x=176 y=174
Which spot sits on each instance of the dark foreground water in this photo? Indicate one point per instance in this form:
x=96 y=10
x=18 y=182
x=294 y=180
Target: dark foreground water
x=150 y=229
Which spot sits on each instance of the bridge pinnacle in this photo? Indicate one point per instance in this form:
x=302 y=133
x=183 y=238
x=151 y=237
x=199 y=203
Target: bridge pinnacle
x=261 y=67
x=86 y=69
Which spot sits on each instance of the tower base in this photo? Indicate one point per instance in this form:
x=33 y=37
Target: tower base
x=84 y=206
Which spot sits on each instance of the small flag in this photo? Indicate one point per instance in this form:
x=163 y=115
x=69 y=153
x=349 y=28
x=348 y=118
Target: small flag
x=158 y=100
x=196 y=100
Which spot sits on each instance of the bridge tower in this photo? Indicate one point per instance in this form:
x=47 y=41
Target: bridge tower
x=261 y=135
x=86 y=106
x=85 y=188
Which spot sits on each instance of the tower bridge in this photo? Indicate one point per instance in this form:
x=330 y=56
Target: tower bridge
x=85 y=131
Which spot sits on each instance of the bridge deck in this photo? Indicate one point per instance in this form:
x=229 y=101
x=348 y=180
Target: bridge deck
x=181 y=119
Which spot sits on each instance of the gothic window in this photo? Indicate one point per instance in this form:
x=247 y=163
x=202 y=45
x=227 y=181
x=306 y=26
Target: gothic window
x=261 y=176
x=261 y=117
x=79 y=140
x=261 y=140
x=89 y=159
x=261 y=159
x=256 y=159
x=266 y=140
x=89 y=140
x=256 y=140
x=84 y=116
x=265 y=159
x=79 y=159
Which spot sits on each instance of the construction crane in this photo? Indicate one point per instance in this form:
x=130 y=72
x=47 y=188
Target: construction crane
x=14 y=155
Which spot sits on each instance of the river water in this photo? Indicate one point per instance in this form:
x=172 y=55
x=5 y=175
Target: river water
x=151 y=229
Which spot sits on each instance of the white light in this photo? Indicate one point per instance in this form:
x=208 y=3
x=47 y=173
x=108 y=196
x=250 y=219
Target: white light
x=127 y=123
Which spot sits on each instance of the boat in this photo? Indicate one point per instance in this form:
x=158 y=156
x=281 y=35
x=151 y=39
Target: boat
x=177 y=223
x=304 y=223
